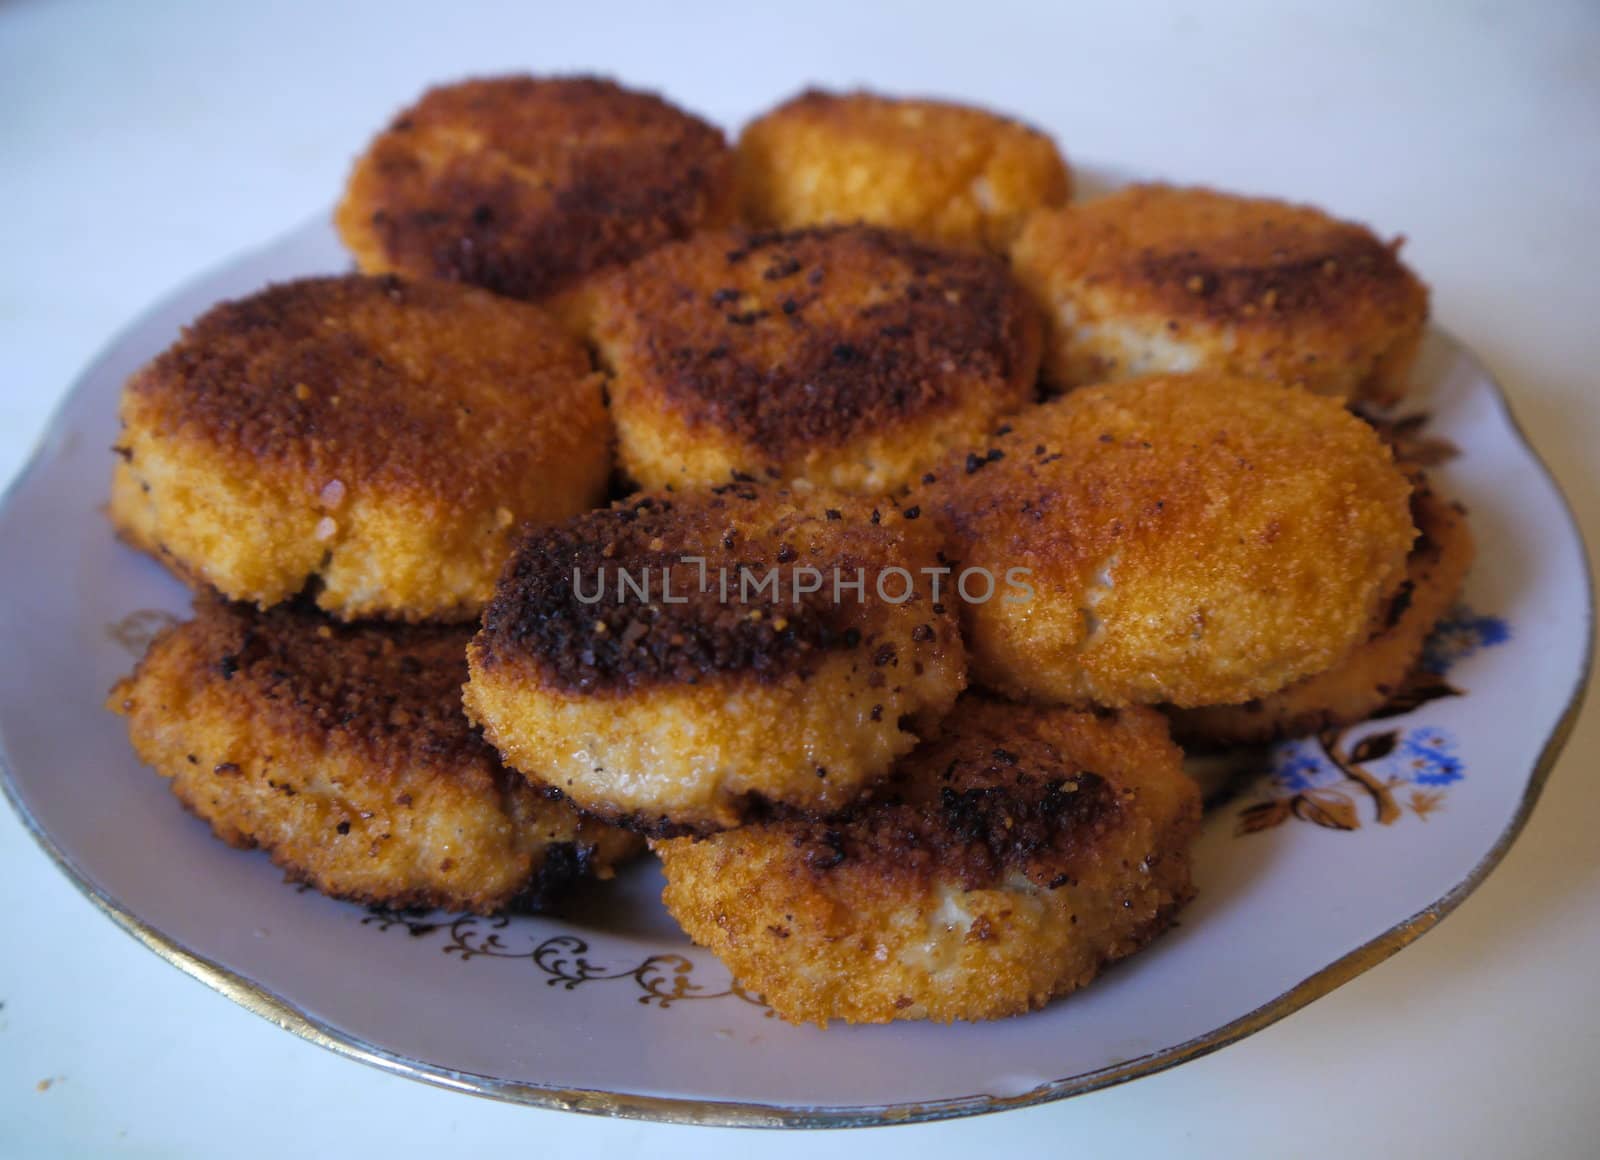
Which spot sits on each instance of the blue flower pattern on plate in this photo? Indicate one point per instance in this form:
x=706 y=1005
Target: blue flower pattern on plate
x=1334 y=779
x=1299 y=765
x=1459 y=635
x=1427 y=756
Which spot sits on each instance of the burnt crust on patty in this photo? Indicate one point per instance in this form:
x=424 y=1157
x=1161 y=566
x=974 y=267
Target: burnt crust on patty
x=785 y=340
x=1272 y=268
x=343 y=751
x=994 y=798
x=384 y=691
x=525 y=185
x=616 y=645
x=1008 y=859
x=703 y=708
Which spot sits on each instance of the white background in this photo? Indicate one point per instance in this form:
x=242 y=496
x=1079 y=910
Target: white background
x=142 y=143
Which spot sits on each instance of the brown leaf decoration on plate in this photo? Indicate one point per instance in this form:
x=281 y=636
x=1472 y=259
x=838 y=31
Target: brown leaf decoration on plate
x=1332 y=811
x=1263 y=816
x=1374 y=747
x=1425 y=802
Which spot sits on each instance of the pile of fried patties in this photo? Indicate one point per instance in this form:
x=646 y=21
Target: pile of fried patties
x=846 y=513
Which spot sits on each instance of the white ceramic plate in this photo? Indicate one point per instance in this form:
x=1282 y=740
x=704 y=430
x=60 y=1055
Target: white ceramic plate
x=1316 y=872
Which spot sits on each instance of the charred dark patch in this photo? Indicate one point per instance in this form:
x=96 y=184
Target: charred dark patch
x=389 y=692
x=1308 y=272
x=844 y=360
x=963 y=808
x=564 y=864
x=654 y=174
x=603 y=642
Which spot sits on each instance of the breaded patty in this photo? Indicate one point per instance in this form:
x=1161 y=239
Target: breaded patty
x=946 y=172
x=1158 y=278
x=382 y=439
x=527 y=186
x=1013 y=856
x=851 y=357
x=1192 y=539
x=691 y=708
x=1359 y=685
x=343 y=752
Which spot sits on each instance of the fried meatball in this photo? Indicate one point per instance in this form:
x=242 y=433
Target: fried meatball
x=1192 y=539
x=1011 y=857
x=946 y=172
x=684 y=664
x=1362 y=682
x=343 y=752
x=1163 y=279
x=851 y=357
x=527 y=186
x=381 y=438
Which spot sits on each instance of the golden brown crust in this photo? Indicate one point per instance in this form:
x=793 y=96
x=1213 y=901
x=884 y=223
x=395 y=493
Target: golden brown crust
x=1163 y=278
x=848 y=356
x=381 y=435
x=947 y=172
x=349 y=374
x=1011 y=856
x=1194 y=539
x=526 y=186
x=1364 y=681
x=698 y=712
x=343 y=751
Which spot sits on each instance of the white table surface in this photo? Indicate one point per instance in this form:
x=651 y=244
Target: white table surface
x=141 y=143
